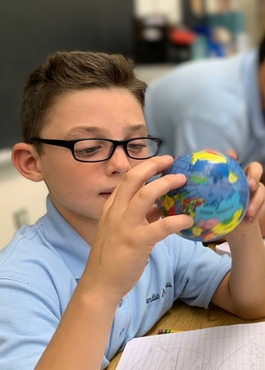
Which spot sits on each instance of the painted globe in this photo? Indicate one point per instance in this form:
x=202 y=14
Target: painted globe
x=216 y=195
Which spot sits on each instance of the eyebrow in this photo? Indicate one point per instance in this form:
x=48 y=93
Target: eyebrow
x=101 y=132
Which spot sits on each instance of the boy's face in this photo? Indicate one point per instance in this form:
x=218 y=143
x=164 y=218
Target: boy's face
x=79 y=190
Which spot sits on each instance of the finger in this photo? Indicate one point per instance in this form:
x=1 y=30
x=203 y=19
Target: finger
x=258 y=214
x=256 y=203
x=135 y=179
x=153 y=214
x=160 y=229
x=143 y=200
x=231 y=153
x=253 y=173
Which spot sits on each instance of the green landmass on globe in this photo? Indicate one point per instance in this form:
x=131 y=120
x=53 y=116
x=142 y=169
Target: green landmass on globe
x=216 y=195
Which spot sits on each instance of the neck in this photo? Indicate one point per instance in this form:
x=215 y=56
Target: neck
x=84 y=226
x=87 y=230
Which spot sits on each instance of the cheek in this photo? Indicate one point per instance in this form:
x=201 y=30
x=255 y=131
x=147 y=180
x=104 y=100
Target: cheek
x=71 y=177
x=61 y=176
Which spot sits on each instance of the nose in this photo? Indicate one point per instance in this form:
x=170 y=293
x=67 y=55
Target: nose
x=119 y=161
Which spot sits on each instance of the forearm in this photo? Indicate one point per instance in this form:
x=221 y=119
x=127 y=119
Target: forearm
x=247 y=276
x=262 y=226
x=80 y=339
x=262 y=220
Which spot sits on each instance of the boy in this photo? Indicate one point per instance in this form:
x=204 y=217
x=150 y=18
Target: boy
x=74 y=287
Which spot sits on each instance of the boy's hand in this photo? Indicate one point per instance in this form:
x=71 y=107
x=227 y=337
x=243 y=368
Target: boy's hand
x=256 y=207
x=130 y=226
x=255 y=175
x=242 y=290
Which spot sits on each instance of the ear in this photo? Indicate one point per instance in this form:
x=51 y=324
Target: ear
x=25 y=159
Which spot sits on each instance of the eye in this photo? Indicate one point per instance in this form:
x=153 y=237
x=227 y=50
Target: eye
x=136 y=146
x=88 y=150
x=92 y=148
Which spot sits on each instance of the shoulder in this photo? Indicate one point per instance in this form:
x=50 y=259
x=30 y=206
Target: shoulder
x=196 y=270
x=31 y=263
x=203 y=76
x=35 y=285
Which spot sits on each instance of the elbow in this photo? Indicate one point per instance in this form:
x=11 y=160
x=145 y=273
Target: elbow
x=253 y=312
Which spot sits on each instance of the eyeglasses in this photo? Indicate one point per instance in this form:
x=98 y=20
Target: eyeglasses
x=99 y=150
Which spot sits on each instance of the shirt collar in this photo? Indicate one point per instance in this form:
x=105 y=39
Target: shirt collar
x=73 y=249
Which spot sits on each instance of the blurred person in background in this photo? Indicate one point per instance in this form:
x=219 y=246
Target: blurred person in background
x=216 y=104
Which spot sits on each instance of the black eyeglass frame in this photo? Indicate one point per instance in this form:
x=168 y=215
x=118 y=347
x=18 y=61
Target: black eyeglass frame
x=69 y=144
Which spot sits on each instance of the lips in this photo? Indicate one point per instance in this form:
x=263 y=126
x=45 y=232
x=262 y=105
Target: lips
x=106 y=193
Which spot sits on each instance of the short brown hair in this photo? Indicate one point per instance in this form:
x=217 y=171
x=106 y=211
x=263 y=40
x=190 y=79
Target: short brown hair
x=65 y=72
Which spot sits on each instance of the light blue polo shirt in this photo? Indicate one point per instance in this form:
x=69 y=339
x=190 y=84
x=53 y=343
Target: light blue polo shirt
x=41 y=266
x=209 y=104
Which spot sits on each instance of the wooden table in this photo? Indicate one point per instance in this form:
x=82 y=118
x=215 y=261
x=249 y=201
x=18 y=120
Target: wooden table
x=183 y=317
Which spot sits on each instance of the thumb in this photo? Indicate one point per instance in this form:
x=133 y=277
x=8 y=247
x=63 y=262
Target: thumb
x=231 y=153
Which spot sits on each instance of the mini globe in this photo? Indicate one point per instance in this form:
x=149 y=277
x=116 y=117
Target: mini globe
x=216 y=195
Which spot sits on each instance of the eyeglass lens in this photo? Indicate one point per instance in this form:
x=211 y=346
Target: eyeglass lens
x=96 y=150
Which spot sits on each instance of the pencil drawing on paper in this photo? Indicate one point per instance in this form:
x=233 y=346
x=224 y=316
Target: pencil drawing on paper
x=248 y=357
x=232 y=347
x=176 y=359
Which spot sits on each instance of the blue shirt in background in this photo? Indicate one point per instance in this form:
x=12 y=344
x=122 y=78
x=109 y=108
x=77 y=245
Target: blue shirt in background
x=209 y=104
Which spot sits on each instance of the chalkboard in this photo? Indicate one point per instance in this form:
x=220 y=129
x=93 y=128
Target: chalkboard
x=30 y=30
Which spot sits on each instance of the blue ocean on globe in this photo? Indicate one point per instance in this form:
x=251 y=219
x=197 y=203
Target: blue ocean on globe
x=216 y=194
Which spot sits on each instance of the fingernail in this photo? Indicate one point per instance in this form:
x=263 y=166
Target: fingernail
x=252 y=183
x=181 y=176
x=251 y=210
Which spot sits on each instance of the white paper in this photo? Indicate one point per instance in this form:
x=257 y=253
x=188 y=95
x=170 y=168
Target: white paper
x=223 y=249
x=233 y=347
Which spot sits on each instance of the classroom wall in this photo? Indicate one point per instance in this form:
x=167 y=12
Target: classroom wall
x=253 y=27
x=31 y=30
x=170 y=8
x=21 y=201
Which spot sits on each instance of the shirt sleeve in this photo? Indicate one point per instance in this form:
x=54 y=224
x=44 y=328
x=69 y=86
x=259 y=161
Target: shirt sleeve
x=28 y=319
x=198 y=272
